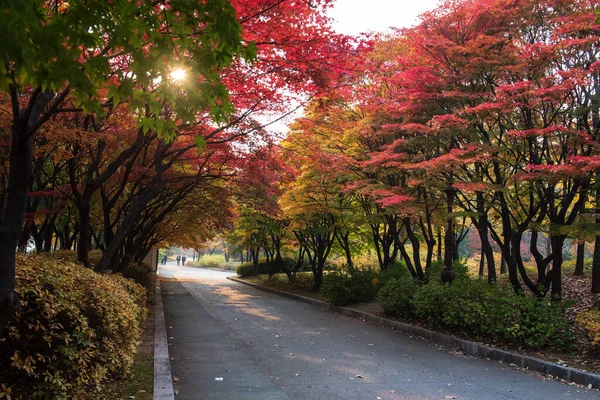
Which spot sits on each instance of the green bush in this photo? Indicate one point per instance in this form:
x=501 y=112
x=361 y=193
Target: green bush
x=434 y=272
x=75 y=329
x=211 y=261
x=427 y=302
x=395 y=296
x=245 y=269
x=397 y=270
x=350 y=286
x=475 y=307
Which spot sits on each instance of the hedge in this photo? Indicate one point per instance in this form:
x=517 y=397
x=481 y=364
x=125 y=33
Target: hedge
x=75 y=329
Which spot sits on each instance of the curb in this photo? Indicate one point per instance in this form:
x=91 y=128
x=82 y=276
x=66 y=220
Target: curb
x=471 y=348
x=163 y=384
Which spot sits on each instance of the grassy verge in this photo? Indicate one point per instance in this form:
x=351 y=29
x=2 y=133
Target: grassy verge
x=140 y=382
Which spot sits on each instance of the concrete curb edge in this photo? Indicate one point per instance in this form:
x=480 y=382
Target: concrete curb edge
x=471 y=348
x=163 y=384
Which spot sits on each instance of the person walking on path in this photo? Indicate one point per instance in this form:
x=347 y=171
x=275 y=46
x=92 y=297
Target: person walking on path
x=178 y=259
x=183 y=260
x=164 y=260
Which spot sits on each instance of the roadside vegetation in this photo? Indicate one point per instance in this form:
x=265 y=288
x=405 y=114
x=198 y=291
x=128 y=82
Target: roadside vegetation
x=76 y=330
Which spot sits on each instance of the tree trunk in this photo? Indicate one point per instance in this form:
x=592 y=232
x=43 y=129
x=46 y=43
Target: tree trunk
x=317 y=277
x=439 y=244
x=596 y=267
x=580 y=258
x=416 y=247
x=557 y=260
x=503 y=266
x=84 y=236
x=481 y=263
x=126 y=227
x=19 y=176
x=24 y=240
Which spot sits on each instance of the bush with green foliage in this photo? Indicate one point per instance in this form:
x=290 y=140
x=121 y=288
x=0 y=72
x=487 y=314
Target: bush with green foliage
x=350 y=285
x=302 y=281
x=245 y=270
x=211 y=261
x=75 y=328
x=397 y=270
x=434 y=272
x=478 y=308
x=396 y=294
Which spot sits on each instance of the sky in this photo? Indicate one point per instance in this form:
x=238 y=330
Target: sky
x=355 y=16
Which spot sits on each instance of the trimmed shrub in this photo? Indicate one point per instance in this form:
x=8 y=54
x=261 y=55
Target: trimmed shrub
x=75 y=328
x=427 y=302
x=211 y=261
x=245 y=269
x=351 y=286
x=475 y=307
x=434 y=272
x=397 y=270
x=71 y=256
x=395 y=296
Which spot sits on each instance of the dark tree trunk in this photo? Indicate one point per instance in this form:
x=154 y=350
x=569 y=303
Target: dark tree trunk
x=19 y=176
x=439 y=244
x=24 y=240
x=24 y=125
x=48 y=230
x=85 y=236
x=407 y=259
x=596 y=266
x=580 y=258
x=254 y=254
x=481 y=224
x=416 y=247
x=557 y=260
x=125 y=229
x=344 y=241
x=449 y=240
x=481 y=263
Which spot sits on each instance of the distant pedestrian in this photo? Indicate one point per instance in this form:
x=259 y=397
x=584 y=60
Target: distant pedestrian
x=164 y=260
x=183 y=260
x=178 y=259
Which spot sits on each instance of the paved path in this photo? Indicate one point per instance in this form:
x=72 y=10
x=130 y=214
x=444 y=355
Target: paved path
x=229 y=341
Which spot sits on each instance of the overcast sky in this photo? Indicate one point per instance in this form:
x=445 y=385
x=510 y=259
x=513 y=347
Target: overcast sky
x=355 y=16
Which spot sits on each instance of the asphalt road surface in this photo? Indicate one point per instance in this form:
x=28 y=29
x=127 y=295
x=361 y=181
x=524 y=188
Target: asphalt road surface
x=228 y=341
